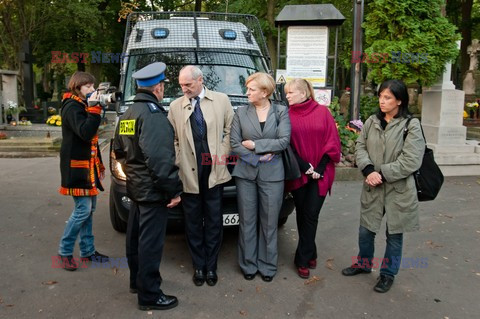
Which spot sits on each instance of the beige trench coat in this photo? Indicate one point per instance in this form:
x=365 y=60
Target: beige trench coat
x=396 y=159
x=218 y=114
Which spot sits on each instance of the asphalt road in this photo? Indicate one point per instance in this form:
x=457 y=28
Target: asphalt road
x=33 y=215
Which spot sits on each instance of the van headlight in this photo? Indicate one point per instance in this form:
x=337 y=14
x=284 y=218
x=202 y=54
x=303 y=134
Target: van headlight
x=116 y=168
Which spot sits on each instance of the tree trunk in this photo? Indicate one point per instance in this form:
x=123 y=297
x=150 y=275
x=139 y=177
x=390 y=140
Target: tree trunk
x=466 y=36
x=271 y=36
x=198 y=5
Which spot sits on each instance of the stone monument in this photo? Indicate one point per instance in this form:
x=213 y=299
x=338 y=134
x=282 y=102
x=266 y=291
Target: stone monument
x=9 y=91
x=469 y=81
x=442 y=121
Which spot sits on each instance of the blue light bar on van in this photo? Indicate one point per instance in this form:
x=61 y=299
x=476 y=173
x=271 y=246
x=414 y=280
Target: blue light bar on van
x=160 y=33
x=228 y=34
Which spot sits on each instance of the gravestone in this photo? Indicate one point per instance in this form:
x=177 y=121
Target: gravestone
x=442 y=121
x=9 y=90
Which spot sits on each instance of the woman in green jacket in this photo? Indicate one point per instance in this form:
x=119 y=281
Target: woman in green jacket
x=387 y=160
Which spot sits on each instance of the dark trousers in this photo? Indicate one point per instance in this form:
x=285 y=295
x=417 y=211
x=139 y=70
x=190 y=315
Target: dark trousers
x=145 y=238
x=393 y=252
x=307 y=207
x=204 y=223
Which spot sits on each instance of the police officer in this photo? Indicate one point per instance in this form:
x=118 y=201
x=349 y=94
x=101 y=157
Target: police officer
x=144 y=146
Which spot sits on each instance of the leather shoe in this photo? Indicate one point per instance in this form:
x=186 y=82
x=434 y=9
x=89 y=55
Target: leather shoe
x=384 y=283
x=267 y=278
x=163 y=302
x=98 y=257
x=303 y=272
x=199 y=277
x=249 y=276
x=69 y=263
x=212 y=278
x=355 y=270
x=312 y=264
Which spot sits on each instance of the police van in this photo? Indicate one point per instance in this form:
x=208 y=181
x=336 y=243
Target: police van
x=226 y=47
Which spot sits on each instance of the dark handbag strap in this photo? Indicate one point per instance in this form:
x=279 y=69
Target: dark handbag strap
x=405 y=130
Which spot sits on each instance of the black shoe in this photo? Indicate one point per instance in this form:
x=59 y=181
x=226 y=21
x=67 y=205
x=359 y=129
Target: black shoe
x=249 y=276
x=267 y=278
x=69 y=263
x=98 y=258
x=199 y=277
x=355 y=270
x=212 y=278
x=164 y=302
x=384 y=283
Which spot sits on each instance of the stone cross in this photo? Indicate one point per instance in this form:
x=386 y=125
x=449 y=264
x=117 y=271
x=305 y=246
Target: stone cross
x=469 y=81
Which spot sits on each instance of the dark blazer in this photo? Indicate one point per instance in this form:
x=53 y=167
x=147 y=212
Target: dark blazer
x=273 y=139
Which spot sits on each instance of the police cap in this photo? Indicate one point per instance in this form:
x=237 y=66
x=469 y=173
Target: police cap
x=151 y=74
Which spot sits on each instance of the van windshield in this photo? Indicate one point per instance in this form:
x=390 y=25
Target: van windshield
x=222 y=71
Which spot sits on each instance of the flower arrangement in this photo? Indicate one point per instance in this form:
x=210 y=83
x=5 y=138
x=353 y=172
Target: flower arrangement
x=54 y=120
x=13 y=109
x=472 y=109
x=348 y=132
x=51 y=110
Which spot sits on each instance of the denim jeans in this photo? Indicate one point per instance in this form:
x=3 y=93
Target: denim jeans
x=79 y=223
x=393 y=252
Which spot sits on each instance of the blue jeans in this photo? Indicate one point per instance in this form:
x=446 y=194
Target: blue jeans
x=393 y=252
x=79 y=223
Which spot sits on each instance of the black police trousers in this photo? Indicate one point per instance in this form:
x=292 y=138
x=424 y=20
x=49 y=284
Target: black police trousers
x=146 y=230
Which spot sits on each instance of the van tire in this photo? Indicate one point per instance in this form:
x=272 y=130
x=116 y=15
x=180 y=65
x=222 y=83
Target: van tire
x=117 y=223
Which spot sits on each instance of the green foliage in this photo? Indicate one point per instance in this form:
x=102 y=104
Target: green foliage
x=347 y=135
x=368 y=106
x=409 y=26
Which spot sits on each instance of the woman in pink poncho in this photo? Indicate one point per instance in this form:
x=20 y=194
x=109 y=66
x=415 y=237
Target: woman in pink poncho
x=316 y=143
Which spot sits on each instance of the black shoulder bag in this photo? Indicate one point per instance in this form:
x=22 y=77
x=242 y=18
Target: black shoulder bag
x=290 y=164
x=429 y=177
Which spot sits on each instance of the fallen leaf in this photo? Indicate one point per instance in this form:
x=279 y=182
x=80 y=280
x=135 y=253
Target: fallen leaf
x=9 y=305
x=431 y=244
x=243 y=312
x=150 y=312
x=49 y=283
x=259 y=289
x=115 y=270
x=437 y=300
x=329 y=263
x=312 y=280
x=448 y=216
x=478 y=274
x=240 y=289
x=445 y=257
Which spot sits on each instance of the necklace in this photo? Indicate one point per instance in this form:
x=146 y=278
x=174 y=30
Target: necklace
x=263 y=108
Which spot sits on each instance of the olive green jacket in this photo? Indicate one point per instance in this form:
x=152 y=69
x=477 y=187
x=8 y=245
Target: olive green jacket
x=396 y=159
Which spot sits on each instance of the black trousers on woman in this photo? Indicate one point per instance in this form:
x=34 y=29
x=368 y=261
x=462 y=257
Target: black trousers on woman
x=307 y=206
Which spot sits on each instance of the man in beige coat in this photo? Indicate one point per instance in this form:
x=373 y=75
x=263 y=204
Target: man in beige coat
x=202 y=120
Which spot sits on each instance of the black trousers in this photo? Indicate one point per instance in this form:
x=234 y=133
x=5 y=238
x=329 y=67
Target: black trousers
x=204 y=223
x=145 y=239
x=307 y=206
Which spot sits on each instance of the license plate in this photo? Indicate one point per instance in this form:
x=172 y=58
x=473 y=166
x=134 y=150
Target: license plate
x=230 y=219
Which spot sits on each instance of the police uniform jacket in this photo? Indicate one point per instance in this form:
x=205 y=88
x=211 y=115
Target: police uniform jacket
x=143 y=144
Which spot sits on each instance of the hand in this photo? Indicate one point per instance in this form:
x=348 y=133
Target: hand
x=174 y=202
x=266 y=158
x=249 y=144
x=316 y=175
x=93 y=99
x=374 y=179
x=310 y=170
